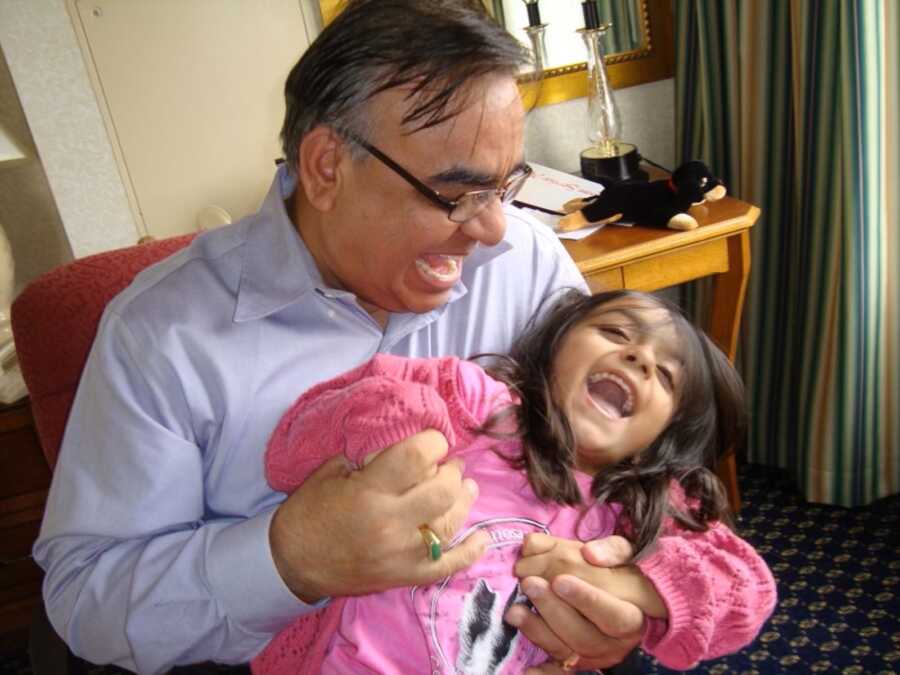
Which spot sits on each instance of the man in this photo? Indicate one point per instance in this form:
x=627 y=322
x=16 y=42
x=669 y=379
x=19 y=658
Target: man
x=384 y=232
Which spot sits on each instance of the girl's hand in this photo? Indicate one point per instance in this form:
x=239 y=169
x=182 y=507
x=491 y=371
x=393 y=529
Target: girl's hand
x=575 y=619
x=602 y=563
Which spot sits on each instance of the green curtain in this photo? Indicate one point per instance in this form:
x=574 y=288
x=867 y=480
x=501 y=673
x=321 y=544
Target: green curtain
x=795 y=105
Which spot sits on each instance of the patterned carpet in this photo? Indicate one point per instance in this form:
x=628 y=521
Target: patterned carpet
x=838 y=573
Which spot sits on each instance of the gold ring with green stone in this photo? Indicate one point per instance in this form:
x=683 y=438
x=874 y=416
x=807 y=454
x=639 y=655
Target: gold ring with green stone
x=432 y=542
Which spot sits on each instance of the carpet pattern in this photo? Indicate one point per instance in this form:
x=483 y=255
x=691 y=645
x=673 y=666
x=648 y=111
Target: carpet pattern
x=838 y=574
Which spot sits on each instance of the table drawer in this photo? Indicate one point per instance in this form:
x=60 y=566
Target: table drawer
x=17 y=539
x=677 y=267
x=605 y=281
x=20 y=576
x=24 y=478
x=15 y=614
x=24 y=468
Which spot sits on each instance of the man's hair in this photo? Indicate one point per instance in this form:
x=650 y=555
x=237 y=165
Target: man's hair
x=709 y=418
x=435 y=46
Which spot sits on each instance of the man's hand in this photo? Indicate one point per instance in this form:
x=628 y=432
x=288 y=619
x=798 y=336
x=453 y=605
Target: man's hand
x=356 y=532
x=573 y=616
x=576 y=618
x=602 y=563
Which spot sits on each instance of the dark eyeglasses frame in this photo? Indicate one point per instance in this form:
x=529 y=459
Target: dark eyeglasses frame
x=504 y=192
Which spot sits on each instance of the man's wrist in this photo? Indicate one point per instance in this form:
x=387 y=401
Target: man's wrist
x=281 y=538
x=244 y=579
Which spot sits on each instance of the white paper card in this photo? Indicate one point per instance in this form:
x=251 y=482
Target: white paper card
x=548 y=189
x=551 y=220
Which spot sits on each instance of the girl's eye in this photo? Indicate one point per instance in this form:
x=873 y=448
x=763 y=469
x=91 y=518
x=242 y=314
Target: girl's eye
x=667 y=378
x=614 y=331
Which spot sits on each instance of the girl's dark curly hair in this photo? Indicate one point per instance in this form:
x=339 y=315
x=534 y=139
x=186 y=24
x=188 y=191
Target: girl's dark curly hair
x=709 y=419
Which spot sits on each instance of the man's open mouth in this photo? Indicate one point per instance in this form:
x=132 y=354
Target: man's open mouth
x=440 y=267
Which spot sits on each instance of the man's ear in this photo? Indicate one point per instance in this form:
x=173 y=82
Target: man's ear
x=320 y=154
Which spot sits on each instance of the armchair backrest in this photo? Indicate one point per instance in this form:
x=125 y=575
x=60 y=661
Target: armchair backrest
x=54 y=321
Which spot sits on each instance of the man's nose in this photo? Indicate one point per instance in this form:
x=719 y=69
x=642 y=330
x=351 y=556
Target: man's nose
x=488 y=227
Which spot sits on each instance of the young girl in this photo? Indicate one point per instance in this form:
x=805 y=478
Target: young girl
x=601 y=420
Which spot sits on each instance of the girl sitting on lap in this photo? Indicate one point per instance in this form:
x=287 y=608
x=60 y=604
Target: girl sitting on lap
x=602 y=420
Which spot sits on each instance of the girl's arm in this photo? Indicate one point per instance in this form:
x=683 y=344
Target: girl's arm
x=380 y=403
x=717 y=590
x=547 y=556
x=355 y=414
x=705 y=594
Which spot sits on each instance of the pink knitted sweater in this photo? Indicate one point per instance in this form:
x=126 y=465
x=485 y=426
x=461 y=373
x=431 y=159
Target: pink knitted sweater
x=717 y=590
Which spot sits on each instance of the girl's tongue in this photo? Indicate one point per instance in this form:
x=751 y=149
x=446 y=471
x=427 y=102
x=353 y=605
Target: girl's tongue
x=610 y=398
x=436 y=267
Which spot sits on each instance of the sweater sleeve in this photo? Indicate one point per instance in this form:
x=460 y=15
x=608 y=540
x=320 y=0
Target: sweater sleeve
x=355 y=414
x=472 y=397
x=718 y=592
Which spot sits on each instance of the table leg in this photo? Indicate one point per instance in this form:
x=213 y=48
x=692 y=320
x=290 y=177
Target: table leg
x=729 y=289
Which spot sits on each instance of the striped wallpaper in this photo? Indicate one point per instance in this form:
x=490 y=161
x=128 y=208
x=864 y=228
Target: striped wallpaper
x=795 y=105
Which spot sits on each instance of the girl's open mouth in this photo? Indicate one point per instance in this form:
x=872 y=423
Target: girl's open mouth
x=611 y=394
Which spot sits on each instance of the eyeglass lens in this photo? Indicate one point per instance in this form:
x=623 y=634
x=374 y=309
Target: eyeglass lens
x=471 y=204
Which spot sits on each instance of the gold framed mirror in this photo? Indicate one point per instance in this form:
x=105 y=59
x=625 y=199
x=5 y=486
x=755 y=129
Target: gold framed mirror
x=653 y=59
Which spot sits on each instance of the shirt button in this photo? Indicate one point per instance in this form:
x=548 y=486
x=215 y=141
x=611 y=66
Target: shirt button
x=331 y=313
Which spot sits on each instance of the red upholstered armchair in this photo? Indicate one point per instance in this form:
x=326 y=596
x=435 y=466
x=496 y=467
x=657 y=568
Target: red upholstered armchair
x=54 y=321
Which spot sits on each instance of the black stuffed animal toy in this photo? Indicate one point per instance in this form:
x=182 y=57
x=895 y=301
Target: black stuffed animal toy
x=660 y=203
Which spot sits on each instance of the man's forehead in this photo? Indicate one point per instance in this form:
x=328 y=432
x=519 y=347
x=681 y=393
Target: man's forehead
x=479 y=143
x=474 y=101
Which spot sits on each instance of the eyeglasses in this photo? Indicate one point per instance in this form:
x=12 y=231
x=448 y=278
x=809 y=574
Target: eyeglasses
x=467 y=205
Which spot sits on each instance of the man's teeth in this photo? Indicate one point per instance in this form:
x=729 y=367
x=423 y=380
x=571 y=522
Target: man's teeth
x=440 y=267
x=628 y=405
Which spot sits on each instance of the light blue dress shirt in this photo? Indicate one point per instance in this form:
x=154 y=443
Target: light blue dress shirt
x=155 y=538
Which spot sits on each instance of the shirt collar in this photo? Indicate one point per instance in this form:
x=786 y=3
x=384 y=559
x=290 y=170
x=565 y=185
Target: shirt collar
x=278 y=268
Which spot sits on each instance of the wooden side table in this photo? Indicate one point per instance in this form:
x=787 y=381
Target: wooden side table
x=24 y=479
x=648 y=259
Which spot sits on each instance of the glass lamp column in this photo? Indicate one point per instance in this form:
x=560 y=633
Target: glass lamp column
x=535 y=31
x=604 y=124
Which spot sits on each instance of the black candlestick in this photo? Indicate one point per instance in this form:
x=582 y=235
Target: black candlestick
x=535 y=30
x=534 y=14
x=591 y=16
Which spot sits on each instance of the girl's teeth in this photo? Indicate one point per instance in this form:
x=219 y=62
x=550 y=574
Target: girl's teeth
x=629 y=396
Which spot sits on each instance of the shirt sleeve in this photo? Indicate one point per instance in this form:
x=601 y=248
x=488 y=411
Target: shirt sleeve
x=138 y=572
x=718 y=592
